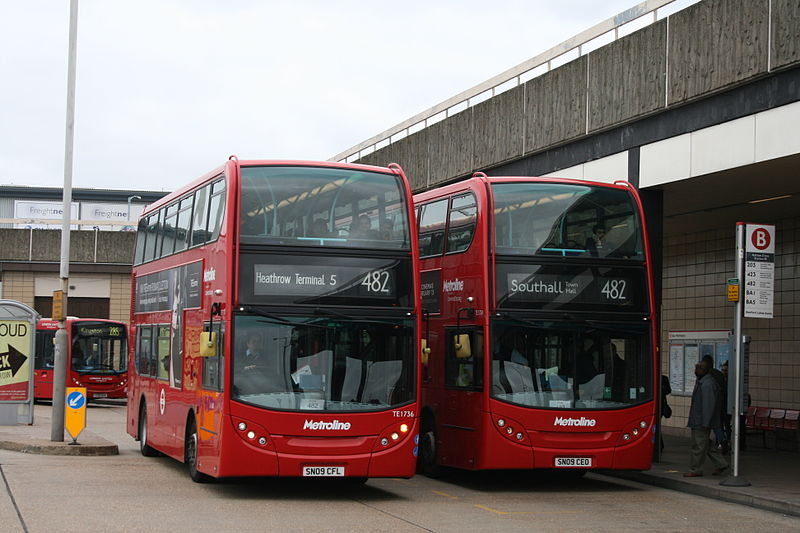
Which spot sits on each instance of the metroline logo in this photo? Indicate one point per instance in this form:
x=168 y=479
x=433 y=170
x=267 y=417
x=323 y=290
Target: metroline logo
x=582 y=421
x=330 y=426
x=453 y=285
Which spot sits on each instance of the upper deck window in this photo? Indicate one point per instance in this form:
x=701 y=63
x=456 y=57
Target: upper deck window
x=317 y=206
x=557 y=219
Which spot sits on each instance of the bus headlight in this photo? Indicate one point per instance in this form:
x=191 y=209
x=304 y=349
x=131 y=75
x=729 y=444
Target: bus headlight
x=242 y=426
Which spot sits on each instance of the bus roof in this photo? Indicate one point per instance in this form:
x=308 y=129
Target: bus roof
x=463 y=184
x=259 y=162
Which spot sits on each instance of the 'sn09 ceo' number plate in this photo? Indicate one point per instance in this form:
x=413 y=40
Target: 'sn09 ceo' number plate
x=573 y=462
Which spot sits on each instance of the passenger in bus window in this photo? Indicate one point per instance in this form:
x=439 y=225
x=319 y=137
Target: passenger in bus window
x=319 y=228
x=596 y=242
x=363 y=229
x=386 y=229
x=251 y=358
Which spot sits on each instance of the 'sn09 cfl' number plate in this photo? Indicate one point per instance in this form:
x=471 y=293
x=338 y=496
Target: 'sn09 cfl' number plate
x=323 y=471
x=573 y=462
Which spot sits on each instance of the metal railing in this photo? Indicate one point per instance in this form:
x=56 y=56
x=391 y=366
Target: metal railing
x=608 y=31
x=34 y=223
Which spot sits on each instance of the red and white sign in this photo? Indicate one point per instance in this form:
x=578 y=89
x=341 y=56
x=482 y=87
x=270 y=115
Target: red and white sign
x=759 y=270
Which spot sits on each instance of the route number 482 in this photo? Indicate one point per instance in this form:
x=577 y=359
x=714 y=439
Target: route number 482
x=377 y=281
x=614 y=289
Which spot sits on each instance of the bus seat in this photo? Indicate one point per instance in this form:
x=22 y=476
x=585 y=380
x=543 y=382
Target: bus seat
x=557 y=383
x=593 y=389
x=519 y=377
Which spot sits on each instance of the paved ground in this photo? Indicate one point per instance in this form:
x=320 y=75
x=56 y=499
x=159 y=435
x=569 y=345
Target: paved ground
x=128 y=492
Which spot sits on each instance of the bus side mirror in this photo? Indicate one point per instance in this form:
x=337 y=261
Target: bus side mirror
x=425 y=352
x=462 y=346
x=208 y=344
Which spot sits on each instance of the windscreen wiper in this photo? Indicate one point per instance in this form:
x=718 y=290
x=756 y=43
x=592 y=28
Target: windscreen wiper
x=275 y=319
x=336 y=314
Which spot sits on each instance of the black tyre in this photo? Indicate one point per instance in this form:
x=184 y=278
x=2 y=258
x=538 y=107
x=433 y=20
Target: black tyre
x=190 y=454
x=144 y=447
x=426 y=462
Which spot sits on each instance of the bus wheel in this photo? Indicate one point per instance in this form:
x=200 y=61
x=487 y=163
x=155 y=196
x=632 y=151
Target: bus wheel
x=144 y=447
x=190 y=454
x=426 y=464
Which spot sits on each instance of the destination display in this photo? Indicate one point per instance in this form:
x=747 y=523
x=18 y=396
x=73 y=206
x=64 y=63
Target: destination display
x=268 y=279
x=101 y=330
x=578 y=288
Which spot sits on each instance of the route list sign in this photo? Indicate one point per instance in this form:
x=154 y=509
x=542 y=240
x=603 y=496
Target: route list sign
x=759 y=270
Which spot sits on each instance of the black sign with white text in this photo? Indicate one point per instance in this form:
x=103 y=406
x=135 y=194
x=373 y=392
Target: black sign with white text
x=269 y=279
x=431 y=290
x=570 y=287
x=161 y=290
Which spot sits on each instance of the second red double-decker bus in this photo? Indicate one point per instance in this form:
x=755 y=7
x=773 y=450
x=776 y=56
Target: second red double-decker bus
x=540 y=326
x=276 y=323
x=97 y=357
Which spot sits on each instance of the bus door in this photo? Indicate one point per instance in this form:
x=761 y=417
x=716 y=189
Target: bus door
x=460 y=413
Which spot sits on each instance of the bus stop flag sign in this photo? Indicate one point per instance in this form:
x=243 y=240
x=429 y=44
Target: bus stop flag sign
x=759 y=270
x=75 y=411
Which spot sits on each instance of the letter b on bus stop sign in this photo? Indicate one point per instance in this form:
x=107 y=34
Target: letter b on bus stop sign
x=75 y=411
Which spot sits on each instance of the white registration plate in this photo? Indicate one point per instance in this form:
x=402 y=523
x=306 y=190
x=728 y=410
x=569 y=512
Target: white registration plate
x=573 y=462
x=323 y=471
x=100 y=395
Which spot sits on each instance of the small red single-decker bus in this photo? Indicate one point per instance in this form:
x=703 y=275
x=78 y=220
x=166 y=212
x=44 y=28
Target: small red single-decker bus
x=97 y=357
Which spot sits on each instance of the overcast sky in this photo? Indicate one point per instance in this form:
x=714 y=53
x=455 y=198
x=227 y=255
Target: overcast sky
x=168 y=89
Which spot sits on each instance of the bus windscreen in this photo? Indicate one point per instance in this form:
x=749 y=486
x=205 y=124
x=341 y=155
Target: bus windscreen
x=323 y=363
x=99 y=348
x=556 y=219
x=559 y=365
x=320 y=206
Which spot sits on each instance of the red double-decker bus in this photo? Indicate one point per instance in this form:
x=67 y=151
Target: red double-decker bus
x=275 y=328
x=97 y=357
x=540 y=326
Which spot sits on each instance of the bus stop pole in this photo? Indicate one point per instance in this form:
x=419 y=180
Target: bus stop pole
x=738 y=357
x=60 y=370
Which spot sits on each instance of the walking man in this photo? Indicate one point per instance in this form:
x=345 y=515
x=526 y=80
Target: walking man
x=704 y=415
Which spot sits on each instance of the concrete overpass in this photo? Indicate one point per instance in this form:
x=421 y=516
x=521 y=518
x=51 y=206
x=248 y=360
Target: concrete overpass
x=698 y=107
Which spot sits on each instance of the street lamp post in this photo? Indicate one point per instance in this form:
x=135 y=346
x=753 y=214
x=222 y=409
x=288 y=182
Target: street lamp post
x=61 y=343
